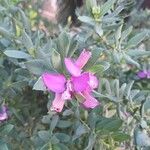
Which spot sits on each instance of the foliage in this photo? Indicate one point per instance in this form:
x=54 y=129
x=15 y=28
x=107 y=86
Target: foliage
x=119 y=51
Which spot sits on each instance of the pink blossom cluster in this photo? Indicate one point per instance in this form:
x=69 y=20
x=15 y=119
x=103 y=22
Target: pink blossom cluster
x=79 y=84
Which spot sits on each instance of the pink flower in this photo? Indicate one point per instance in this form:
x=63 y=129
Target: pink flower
x=83 y=83
x=80 y=84
x=58 y=84
x=3 y=113
x=144 y=74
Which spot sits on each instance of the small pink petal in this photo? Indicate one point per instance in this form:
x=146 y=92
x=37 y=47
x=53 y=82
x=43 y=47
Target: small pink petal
x=141 y=74
x=3 y=116
x=72 y=68
x=54 y=82
x=69 y=85
x=3 y=113
x=83 y=58
x=148 y=74
x=66 y=95
x=58 y=103
x=80 y=83
x=93 y=81
x=90 y=101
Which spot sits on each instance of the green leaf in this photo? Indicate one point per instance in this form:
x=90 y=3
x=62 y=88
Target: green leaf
x=62 y=44
x=46 y=119
x=133 y=93
x=44 y=135
x=79 y=132
x=90 y=4
x=45 y=146
x=115 y=87
x=130 y=60
x=39 y=85
x=54 y=122
x=26 y=40
x=62 y=137
x=147 y=105
x=56 y=60
x=65 y=45
x=91 y=142
x=95 y=56
x=98 y=29
x=40 y=54
x=68 y=112
x=138 y=53
x=47 y=47
x=142 y=139
x=7 y=129
x=72 y=47
x=126 y=33
x=87 y=20
x=118 y=35
x=122 y=90
x=2 y=8
x=92 y=118
x=97 y=69
x=120 y=137
x=107 y=6
x=54 y=140
x=107 y=86
x=117 y=11
x=37 y=66
x=105 y=65
x=17 y=54
x=64 y=124
x=3 y=145
x=128 y=89
x=25 y=21
x=117 y=56
x=143 y=124
x=64 y=41
x=138 y=38
x=6 y=33
x=109 y=124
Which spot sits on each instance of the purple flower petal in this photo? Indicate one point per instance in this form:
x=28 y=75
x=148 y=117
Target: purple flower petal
x=54 y=82
x=3 y=113
x=141 y=74
x=90 y=101
x=80 y=83
x=58 y=103
x=83 y=58
x=72 y=68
